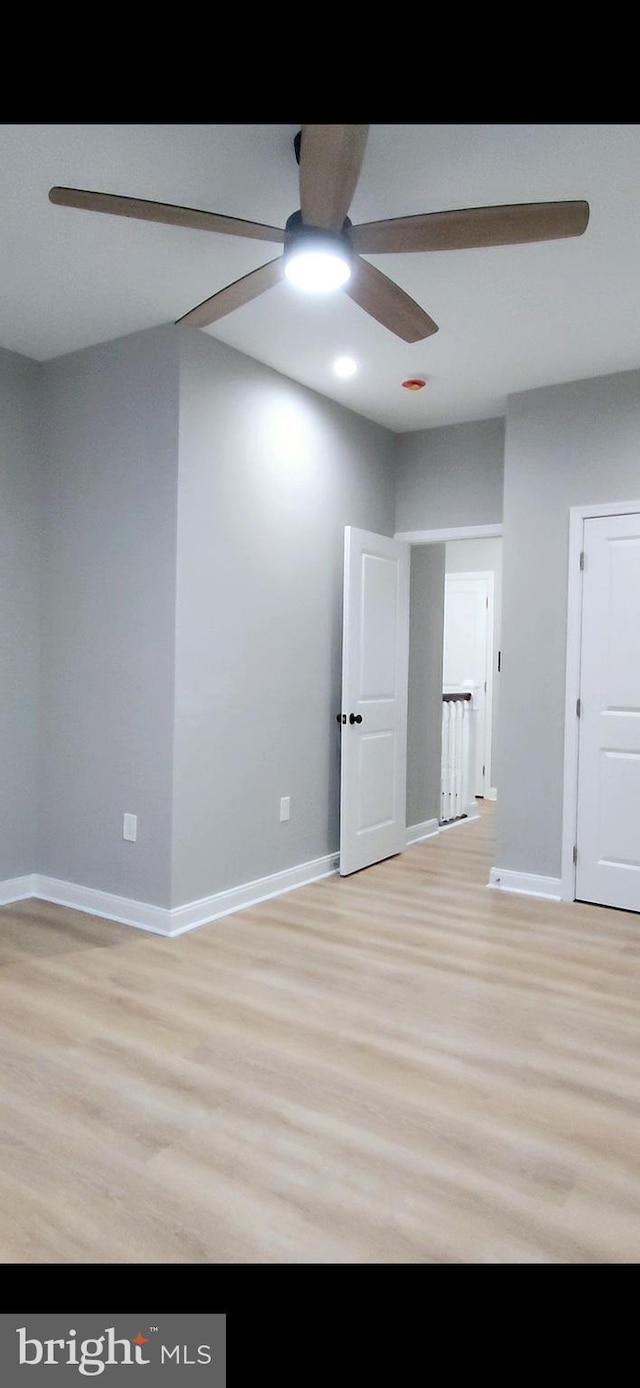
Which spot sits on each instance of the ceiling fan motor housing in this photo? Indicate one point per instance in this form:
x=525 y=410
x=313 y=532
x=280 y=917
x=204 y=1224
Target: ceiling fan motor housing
x=298 y=236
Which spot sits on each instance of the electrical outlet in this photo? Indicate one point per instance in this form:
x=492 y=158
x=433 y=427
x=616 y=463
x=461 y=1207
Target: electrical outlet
x=130 y=827
x=285 y=808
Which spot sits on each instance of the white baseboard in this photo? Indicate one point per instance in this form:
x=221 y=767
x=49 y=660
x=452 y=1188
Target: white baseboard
x=16 y=889
x=250 y=893
x=417 y=832
x=125 y=910
x=529 y=883
x=159 y=919
x=492 y=793
x=468 y=818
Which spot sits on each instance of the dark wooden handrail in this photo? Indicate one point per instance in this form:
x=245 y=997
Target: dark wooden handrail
x=452 y=698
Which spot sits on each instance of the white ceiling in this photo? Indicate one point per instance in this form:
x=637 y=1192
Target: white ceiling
x=511 y=318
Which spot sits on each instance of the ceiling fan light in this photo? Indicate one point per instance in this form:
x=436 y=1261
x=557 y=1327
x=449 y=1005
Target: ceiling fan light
x=316 y=260
x=317 y=271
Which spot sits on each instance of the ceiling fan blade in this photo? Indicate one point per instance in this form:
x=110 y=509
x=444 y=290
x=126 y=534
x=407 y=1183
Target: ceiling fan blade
x=330 y=161
x=241 y=292
x=167 y=212
x=387 y=302
x=471 y=227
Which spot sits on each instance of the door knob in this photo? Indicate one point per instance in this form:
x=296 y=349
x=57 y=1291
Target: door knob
x=355 y=718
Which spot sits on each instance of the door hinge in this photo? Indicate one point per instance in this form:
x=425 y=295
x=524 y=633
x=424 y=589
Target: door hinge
x=483 y=770
x=578 y=708
x=575 y=853
x=486 y=603
x=485 y=686
x=499 y=660
x=582 y=559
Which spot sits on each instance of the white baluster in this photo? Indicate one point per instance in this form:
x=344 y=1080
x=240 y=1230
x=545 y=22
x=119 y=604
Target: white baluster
x=457 y=766
x=446 y=761
x=443 y=762
x=457 y=759
x=468 y=758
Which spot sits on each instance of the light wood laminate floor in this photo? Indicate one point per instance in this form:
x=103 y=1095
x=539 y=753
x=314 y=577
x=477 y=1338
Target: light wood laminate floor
x=400 y=1066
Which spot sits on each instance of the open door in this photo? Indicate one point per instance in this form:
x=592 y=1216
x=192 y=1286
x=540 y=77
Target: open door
x=375 y=672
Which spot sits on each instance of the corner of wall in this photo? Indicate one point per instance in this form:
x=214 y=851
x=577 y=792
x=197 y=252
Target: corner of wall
x=109 y=421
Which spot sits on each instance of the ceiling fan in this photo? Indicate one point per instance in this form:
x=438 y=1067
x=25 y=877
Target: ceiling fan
x=320 y=241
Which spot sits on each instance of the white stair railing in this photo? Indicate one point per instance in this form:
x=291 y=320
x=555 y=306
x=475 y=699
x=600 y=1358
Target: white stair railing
x=457 y=756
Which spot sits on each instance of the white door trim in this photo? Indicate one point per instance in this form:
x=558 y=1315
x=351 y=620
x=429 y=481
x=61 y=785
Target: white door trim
x=577 y=516
x=488 y=698
x=457 y=532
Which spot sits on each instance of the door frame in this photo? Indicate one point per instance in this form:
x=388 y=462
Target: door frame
x=455 y=532
x=488 y=575
x=577 y=517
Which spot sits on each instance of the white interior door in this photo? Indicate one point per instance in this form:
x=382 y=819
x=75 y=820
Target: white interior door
x=467 y=658
x=375 y=673
x=608 y=827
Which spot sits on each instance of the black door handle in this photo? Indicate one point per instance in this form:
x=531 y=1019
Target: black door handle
x=355 y=718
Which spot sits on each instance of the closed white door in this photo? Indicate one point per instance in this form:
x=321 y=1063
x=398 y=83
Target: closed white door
x=608 y=830
x=468 y=617
x=375 y=673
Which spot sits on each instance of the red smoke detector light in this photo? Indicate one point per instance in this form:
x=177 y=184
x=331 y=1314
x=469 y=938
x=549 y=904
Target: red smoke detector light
x=414 y=383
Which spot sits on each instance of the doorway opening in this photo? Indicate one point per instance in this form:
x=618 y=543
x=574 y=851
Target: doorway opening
x=424 y=813
x=470 y=664
x=391 y=719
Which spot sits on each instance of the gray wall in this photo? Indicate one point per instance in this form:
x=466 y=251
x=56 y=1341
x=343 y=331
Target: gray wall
x=565 y=446
x=109 y=554
x=19 y=611
x=450 y=476
x=425 y=684
x=270 y=473
x=484 y=556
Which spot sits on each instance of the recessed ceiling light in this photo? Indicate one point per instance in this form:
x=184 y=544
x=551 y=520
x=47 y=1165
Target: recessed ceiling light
x=345 y=367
